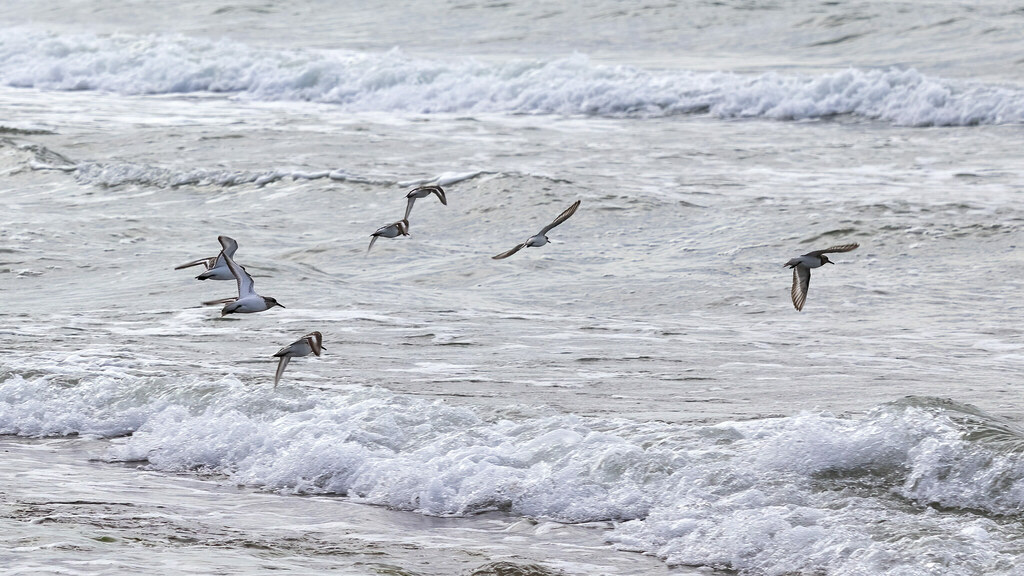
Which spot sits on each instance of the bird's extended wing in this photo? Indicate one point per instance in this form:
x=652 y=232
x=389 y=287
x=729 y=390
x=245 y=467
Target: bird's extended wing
x=219 y=301
x=246 y=287
x=439 y=192
x=228 y=246
x=408 y=206
x=840 y=248
x=227 y=251
x=510 y=252
x=208 y=262
x=801 y=281
x=280 y=369
x=562 y=217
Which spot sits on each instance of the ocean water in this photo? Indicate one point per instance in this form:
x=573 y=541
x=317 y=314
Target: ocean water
x=637 y=397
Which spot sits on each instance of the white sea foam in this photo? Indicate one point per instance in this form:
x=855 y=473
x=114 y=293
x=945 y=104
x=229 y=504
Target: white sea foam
x=394 y=81
x=812 y=492
x=111 y=175
x=124 y=174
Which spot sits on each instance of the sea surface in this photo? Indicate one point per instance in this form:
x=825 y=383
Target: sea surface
x=638 y=397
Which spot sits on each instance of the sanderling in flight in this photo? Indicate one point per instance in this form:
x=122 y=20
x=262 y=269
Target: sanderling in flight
x=216 y=267
x=311 y=343
x=802 y=265
x=541 y=238
x=423 y=192
x=390 y=231
x=248 y=300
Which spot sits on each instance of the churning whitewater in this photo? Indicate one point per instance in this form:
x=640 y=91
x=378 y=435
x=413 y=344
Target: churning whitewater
x=806 y=492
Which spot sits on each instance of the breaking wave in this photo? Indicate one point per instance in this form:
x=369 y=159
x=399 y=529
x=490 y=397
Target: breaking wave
x=811 y=493
x=574 y=85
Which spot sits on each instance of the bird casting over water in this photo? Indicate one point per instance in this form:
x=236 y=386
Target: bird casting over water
x=248 y=301
x=802 y=265
x=311 y=343
x=541 y=238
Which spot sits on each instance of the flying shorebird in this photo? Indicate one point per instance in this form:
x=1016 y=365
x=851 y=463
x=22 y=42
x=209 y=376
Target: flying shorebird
x=390 y=231
x=311 y=343
x=216 y=267
x=802 y=265
x=541 y=238
x=248 y=300
x=423 y=192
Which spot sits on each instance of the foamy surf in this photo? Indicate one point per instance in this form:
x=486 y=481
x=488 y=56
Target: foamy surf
x=811 y=492
x=396 y=82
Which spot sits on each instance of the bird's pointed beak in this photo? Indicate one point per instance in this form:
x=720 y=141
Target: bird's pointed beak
x=279 y=304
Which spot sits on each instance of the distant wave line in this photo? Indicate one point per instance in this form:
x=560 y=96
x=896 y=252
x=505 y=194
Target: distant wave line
x=393 y=81
x=112 y=175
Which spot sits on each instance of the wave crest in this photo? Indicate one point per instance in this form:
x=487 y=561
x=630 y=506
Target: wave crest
x=396 y=82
